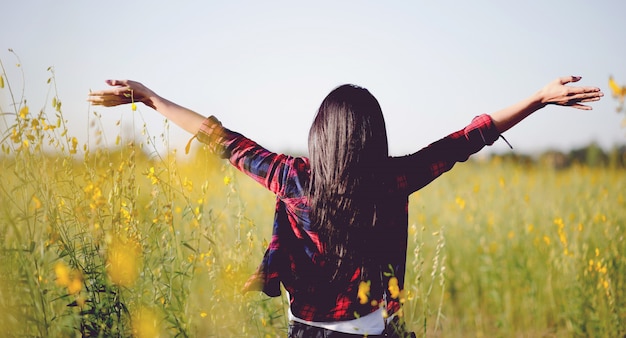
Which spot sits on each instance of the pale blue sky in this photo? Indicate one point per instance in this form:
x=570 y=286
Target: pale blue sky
x=264 y=67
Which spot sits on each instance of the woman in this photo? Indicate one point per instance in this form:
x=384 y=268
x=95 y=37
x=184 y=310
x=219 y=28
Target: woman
x=340 y=228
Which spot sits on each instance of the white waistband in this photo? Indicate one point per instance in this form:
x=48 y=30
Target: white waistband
x=369 y=324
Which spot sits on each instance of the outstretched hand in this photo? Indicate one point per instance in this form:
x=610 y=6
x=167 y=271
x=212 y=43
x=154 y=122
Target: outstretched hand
x=556 y=92
x=123 y=92
x=127 y=91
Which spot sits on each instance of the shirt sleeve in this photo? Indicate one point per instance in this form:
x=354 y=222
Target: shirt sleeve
x=270 y=169
x=417 y=170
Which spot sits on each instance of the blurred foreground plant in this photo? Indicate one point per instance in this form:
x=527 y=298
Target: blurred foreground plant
x=113 y=240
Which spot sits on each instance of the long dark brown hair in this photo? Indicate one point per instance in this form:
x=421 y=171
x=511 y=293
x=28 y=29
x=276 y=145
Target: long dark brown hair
x=348 y=151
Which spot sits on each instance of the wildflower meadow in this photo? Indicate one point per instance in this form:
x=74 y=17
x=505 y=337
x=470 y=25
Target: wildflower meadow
x=113 y=238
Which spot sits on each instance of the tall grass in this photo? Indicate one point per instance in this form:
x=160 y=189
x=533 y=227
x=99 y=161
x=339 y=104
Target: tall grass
x=118 y=239
x=530 y=251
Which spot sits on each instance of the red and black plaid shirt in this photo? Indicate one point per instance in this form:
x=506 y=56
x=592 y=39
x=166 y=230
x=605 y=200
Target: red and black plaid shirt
x=295 y=251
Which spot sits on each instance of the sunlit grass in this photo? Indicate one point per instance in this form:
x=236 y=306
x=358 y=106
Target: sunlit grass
x=520 y=245
x=119 y=239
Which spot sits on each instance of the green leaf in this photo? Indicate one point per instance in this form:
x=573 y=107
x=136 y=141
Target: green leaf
x=189 y=247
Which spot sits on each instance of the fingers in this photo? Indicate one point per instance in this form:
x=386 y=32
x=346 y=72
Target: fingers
x=590 y=99
x=586 y=89
x=568 y=79
x=584 y=93
x=117 y=82
x=110 y=97
x=115 y=91
x=581 y=106
x=106 y=100
x=123 y=93
x=578 y=103
x=581 y=95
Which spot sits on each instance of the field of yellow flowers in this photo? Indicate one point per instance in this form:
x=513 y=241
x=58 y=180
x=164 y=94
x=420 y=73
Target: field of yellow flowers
x=123 y=240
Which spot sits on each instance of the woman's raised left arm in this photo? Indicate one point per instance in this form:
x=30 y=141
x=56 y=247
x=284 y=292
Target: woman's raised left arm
x=556 y=92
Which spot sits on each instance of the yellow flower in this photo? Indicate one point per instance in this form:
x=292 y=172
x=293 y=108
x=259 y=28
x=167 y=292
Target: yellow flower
x=559 y=222
x=66 y=277
x=364 y=292
x=562 y=235
x=152 y=176
x=74 y=141
x=133 y=106
x=617 y=90
x=24 y=112
x=76 y=283
x=123 y=261
x=16 y=136
x=36 y=202
x=460 y=202
x=62 y=272
x=227 y=180
x=188 y=184
x=409 y=295
x=385 y=313
x=145 y=324
x=394 y=289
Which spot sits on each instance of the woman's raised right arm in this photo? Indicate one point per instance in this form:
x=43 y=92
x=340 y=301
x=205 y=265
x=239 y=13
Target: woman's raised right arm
x=263 y=166
x=127 y=91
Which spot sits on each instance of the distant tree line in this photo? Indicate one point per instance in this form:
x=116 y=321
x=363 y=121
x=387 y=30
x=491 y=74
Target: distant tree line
x=591 y=155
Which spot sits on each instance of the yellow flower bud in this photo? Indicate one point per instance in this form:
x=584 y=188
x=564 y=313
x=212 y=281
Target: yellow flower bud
x=364 y=292
x=24 y=112
x=394 y=289
x=62 y=273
